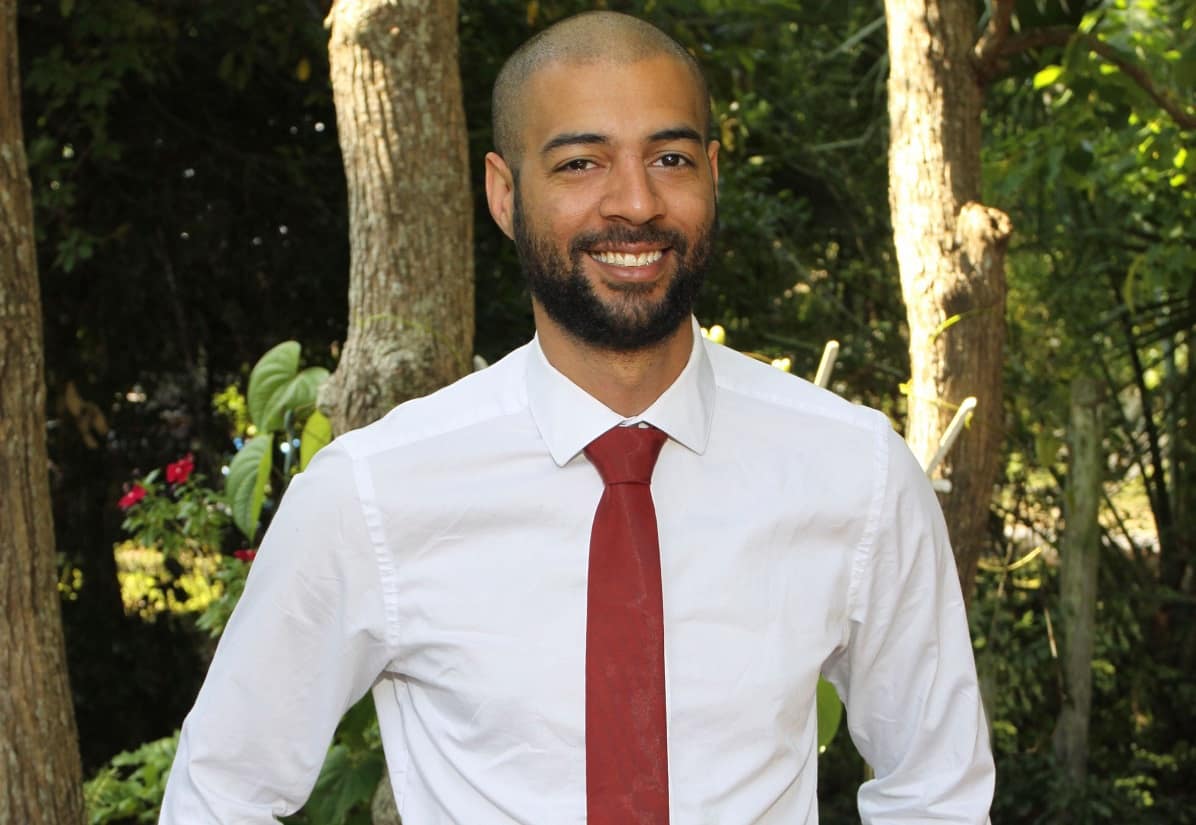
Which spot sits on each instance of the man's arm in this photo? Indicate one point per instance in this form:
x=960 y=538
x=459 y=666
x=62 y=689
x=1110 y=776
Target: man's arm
x=307 y=639
x=907 y=674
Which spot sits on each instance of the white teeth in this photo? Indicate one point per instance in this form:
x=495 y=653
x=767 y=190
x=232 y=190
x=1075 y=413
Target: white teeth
x=624 y=259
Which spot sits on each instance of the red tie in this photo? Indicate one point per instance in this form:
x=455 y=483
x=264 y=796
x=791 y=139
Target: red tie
x=627 y=771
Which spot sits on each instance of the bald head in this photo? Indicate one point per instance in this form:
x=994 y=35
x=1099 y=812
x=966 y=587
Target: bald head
x=589 y=37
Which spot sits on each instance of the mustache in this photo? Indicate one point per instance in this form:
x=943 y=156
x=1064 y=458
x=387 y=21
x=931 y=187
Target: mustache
x=628 y=235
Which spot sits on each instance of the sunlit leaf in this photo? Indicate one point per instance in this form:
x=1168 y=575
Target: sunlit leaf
x=830 y=713
x=1047 y=75
x=317 y=433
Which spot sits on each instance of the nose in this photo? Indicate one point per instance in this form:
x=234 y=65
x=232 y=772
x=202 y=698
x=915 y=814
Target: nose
x=631 y=195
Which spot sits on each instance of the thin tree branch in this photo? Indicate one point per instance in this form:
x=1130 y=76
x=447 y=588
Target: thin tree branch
x=988 y=48
x=1156 y=482
x=1064 y=35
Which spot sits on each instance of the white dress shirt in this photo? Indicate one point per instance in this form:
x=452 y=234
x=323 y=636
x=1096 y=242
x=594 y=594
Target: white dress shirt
x=438 y=558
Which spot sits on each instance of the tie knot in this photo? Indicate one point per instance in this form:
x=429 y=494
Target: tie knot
x=626 y=455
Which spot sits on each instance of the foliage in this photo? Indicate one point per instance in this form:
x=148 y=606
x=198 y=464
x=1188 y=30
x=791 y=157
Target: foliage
x=1132 y=778
x=228 y=580
x=279 y=396
x=190 y=212
x=175 y=531
x=182 y=514
x=130 y=787
x=350 y=774
x=148 y=587
x=1095 y=176
x=172 y=561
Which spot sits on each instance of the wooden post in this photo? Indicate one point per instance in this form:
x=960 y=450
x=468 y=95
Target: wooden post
x=1080 y=553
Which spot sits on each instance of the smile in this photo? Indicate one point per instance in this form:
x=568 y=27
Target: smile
x=628 y=259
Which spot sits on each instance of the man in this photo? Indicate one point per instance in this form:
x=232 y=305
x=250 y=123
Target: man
x=547 y=643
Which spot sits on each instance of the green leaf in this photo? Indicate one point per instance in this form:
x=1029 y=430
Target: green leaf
x=247 y=477
x=1047 y=75
x=317 y=433
x=276 y=386
x=830 y=713
x=347 y=782
x=272 y=371
x=297 y=394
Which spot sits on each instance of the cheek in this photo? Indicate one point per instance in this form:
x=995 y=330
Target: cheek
x=565 y=219
x=694 y=213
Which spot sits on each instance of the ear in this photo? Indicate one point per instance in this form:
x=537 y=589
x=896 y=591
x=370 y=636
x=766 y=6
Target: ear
x=500 y=193
x=712 y=156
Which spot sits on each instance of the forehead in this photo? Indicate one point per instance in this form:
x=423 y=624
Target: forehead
x=623 y=100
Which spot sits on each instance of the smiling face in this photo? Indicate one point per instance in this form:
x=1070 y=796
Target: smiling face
x=613 y=206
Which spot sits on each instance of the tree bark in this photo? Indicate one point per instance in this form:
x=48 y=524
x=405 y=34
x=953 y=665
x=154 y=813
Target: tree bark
x=951 y=256
x=399 y=111
x=40 y=774
x=1079 y=557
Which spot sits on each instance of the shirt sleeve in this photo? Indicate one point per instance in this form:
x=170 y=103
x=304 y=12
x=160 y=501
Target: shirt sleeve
x=307 y=639
x=907 y=674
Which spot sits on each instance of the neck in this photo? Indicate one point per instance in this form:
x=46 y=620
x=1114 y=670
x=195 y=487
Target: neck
x=627 y=382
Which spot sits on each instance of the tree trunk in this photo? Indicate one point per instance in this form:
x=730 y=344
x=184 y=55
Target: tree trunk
x=401 y=119
x=40 y=776
x=951 y=256
x=401 y=122
x=1079 y=555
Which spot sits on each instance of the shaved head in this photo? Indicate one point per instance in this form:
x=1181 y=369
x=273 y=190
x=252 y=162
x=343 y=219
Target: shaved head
x=589 y=37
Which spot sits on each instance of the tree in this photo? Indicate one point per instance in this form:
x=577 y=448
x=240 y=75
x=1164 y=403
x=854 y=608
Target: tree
x=1080 y=553
x=401 y=120
x=397 y=90
x=39 y=758
x=1089 y=142
x=950 y=253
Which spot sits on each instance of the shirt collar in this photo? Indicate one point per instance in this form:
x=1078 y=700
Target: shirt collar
x=569 y=418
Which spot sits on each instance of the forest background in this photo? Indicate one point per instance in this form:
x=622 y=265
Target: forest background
x=192 y=200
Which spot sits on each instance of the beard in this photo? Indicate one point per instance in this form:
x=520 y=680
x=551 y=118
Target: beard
x=633 y=320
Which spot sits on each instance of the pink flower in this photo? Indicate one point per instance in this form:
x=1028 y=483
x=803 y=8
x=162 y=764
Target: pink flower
x=179 y=471
x=245 y=555
x=136 y=494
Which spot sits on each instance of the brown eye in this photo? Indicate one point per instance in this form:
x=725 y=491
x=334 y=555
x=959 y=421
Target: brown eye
x=673 y=159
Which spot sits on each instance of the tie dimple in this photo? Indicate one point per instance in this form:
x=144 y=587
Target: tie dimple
x=626 y=455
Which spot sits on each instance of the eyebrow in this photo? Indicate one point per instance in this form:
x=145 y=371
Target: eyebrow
x=573 y=139
x=676 y=133
x=593 y=138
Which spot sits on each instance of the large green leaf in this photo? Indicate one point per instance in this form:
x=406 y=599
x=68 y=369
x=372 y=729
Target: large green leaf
x=317 y=433
x=247 y=477
x=276 y=385
x=296 y=394
x=271 y=373
x=830 y=713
